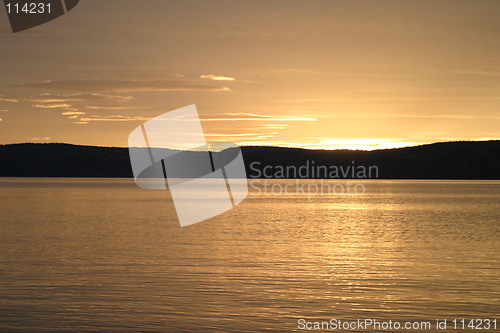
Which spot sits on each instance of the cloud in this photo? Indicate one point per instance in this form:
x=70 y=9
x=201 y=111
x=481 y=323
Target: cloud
x=48 y=100
x=255 y=117
x=239 y=135
x=101 y=107
x=40 y=139
x=72 y=113
x=275 y=126
x=80 y=97
x=217 y=77
x=75 y=105
x=8 y=99
x=113 y=118
x=4 y=110
x=121 y=86
x=423 y=115
x=260 y=131
x=244 y=136
x=265 y=143
x=52 y=106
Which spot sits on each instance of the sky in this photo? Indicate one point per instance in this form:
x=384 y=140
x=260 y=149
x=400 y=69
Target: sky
x=312 y=74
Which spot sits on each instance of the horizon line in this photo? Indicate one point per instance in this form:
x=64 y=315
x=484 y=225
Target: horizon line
x=263 y=146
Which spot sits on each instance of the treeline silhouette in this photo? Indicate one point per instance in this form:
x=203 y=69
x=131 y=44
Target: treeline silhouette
x=447 y=160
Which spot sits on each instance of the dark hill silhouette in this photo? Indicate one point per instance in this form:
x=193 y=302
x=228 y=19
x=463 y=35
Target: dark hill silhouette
x=448 y=160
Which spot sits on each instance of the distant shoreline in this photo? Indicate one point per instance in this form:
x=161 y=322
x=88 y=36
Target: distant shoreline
x=463 y=160
x=309 y=149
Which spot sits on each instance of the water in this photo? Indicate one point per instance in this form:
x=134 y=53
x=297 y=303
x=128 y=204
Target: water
x=103 y=255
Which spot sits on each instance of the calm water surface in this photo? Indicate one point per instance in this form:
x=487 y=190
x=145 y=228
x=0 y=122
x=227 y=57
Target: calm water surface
x=104 y=255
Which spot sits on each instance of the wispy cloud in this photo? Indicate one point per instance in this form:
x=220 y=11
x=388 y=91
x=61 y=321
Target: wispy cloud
x=112 y=118
x=80 y=97
x=243 y=135
x=217 y=77
x=263 y=143
x=72 y=101
x=121 y=86
x=255 y=117
x=414 y=115
x=275 y=126
x=52 y=106
x=260 y=131
x=4 y=110
x=102 y=107
x=8 y=99
x=72 y=113
x=74 y=105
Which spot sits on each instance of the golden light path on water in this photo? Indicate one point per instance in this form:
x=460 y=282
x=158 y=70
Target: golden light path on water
x=105 y=255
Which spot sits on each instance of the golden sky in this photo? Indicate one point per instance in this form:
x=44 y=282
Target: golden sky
x=314 y=74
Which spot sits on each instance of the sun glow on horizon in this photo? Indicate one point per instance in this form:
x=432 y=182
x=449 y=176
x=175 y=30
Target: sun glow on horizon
x=353 y=144
x=338 y=144
x=360 y=144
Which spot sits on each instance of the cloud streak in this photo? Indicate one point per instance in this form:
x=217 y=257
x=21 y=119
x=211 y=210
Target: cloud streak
x=52 y=106
x=72 y=113
x=255 y=117
x=243 y=135
x=121 y=86
x=217 y=77
x=102 y=107
x=112 y=118
x=8 y=99
x=424 y=116
x=80 y=97
x=74 y=105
